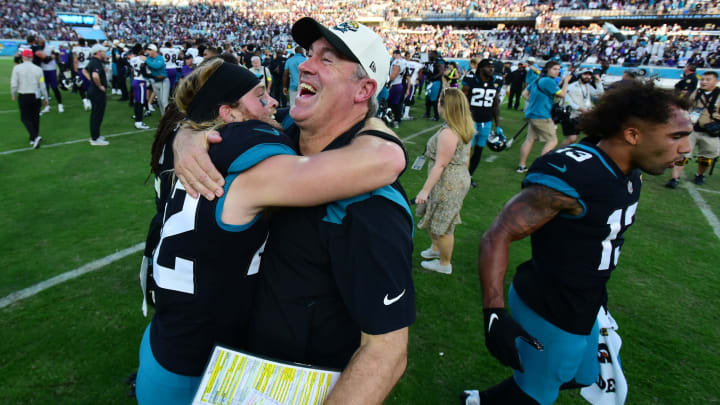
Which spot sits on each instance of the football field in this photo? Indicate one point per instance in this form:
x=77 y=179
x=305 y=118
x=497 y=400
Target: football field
x=69 y=206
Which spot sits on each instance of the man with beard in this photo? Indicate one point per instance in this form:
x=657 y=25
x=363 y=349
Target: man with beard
x=579 y=100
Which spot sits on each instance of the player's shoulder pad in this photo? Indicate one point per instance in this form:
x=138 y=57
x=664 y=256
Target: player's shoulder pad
x=247 y=143
x=564 y=170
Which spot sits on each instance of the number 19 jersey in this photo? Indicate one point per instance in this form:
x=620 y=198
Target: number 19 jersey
x=573 y=256
x=482 y=96
x=204 y=269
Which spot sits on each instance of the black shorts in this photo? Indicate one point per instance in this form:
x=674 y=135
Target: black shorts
x=569 y=127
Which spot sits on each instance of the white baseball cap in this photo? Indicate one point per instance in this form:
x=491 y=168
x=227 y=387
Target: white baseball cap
x=151 y=47
x=353 y=40
x=97 y=48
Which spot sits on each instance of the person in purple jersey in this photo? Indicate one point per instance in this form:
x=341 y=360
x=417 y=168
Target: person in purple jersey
x=48 y=62
x=187 y=67
x=139 y=85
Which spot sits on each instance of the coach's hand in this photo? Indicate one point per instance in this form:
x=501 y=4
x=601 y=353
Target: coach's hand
x=193 y=166
x=500 y=334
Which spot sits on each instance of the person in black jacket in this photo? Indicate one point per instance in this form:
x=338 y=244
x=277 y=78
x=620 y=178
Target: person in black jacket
x=516 y=79
x=277 y=67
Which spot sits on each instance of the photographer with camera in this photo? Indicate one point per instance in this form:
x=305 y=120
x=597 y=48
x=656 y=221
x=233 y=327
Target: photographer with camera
x=706 y=130
x=540 y=96
x=577 y=101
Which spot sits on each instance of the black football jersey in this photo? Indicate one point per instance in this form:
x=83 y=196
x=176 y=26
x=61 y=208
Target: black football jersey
x=573 y=256
x=332 y=271
x=482 y=96
x=163 y=187
x=203 y=268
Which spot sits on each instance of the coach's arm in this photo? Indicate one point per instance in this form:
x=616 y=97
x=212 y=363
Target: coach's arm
x=373 y=371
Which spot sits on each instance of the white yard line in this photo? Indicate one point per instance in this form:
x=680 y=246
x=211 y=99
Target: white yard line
x=8 y=111
x=491 y=159
x=87 y=268
x=52 y=145
x=416 y=134
x=708 y=191
x=705 y=209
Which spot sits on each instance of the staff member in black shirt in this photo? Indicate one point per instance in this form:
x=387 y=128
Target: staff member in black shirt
x=516 y=79
x=95 y=71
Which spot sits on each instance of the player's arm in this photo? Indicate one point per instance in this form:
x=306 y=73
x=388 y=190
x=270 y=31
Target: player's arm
x=522 y=215
x=525 y=213
x=496 y=108
x=374 y=161
x=395 y=72
x=447 y=143
x=374 y=369
x=74 y=62
x=368 y=163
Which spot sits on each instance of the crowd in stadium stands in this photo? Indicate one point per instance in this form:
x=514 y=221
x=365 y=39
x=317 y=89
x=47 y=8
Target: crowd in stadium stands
x=266 y=25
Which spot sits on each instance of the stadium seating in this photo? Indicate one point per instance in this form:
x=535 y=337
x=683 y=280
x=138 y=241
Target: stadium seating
x=266 y=24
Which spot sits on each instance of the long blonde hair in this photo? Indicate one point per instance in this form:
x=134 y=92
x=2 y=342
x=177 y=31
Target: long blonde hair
x=189 y=87
x=456 y=112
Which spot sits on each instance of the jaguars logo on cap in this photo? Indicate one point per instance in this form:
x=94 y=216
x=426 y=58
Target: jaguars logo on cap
x=347 y=26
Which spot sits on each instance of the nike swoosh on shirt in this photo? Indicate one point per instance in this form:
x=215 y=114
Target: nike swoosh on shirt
x=562 y=169
x=390 y=301
x=493 y=317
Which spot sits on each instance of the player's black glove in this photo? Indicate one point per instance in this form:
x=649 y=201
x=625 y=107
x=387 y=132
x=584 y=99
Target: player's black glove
x=500 y=333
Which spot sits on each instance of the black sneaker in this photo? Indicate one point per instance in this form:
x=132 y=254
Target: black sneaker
x=472 y=183
x=673 y=183
x=699 y=179
x=521 y=169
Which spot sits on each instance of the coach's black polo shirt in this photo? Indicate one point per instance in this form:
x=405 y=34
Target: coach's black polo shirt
x=331 y=271
x=96 y=66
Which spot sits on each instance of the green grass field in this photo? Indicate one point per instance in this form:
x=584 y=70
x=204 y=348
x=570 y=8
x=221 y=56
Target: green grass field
x=67 y=205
